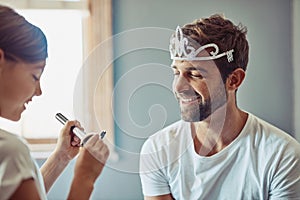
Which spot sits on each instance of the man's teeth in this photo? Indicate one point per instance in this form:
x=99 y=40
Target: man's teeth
x=26 y=105
x=190 y=99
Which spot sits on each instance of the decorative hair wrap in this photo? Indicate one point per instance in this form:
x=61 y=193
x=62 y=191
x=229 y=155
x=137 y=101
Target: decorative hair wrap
x=180 y=49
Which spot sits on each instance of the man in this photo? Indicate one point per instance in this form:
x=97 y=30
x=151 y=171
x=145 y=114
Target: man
x=217 y=150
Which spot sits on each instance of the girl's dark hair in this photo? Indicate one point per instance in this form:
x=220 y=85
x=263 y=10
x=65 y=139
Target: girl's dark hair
x=216 y=29
x=19 y=39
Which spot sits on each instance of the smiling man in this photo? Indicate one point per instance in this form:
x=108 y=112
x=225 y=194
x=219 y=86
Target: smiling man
x=217 y=150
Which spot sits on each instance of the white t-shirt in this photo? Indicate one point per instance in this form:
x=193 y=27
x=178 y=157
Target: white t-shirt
x=16 y=164
x=263 y=162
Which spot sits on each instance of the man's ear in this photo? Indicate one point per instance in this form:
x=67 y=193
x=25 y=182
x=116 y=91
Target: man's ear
x=235 y=79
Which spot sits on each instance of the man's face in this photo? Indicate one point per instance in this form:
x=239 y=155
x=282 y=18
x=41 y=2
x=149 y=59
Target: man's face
x=199 y=89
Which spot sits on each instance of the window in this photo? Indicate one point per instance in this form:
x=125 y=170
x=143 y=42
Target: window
x=58 y=79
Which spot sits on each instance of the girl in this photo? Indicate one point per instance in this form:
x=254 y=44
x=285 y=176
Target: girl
x=23 y=53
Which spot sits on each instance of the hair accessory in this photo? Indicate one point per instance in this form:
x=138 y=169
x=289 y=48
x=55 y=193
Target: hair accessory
x=181 y=50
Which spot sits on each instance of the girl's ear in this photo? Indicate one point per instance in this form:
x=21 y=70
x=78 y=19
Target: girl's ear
x=2 y=59
x=1 y=54
x=235 y=79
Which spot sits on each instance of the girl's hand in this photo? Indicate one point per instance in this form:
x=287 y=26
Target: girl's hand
x=68 y=143
x=92 y=158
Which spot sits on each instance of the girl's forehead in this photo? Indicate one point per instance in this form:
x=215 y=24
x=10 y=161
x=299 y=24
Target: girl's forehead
x=39 y=65
x=35 y=66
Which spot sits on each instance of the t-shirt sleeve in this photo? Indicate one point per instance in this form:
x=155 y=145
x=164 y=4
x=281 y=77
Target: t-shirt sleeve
x=286 y=179
x=152 y=171
x=15 y=165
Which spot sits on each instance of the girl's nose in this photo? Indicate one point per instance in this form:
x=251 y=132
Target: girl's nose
x=38 y=91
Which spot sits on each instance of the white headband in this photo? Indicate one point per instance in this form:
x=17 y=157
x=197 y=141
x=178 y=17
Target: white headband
x=181 y=50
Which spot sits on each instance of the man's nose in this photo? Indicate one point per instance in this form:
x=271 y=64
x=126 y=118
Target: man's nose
x=180 y=84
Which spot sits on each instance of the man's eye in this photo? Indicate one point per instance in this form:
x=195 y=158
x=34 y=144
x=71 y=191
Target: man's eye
x=196 y=75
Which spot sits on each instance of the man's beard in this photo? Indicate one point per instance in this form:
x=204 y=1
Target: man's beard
x=195 y=113
x=202 y=110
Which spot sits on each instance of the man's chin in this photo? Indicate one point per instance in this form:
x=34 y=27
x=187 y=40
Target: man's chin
x=191 y=118
x=194 y=116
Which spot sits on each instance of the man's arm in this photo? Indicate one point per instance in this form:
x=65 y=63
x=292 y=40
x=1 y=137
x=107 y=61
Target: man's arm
x=286 y=180
x=153 y=179
x=161 y=197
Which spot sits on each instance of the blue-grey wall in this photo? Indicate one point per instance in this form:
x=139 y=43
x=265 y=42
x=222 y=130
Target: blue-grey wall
x=144 y=102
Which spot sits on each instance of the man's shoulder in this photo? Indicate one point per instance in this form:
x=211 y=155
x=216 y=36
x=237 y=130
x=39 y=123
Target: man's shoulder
x=171 y=130
x=269 y=129
x=272 y=136
x=167 y=135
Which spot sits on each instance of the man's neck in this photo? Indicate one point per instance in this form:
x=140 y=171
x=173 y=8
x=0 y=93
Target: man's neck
x=218 y=131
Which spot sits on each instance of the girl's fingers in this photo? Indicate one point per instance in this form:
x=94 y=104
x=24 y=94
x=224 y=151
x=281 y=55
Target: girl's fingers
x=97 y=148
